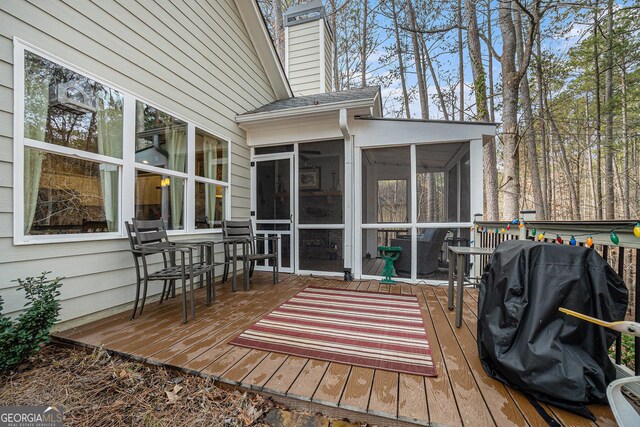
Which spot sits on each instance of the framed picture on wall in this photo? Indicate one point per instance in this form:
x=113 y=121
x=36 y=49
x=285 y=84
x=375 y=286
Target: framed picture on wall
x=309 y=178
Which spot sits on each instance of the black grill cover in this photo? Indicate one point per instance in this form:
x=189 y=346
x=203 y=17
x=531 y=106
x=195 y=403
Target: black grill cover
x=525 y=342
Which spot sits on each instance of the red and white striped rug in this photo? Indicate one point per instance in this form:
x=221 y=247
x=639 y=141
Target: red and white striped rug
x=374 y=330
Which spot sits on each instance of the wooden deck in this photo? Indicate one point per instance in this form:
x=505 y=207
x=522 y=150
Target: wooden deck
x=461 y=394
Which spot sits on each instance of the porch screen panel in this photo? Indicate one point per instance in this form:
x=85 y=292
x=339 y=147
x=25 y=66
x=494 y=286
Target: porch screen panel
x=432 y=250
x=321 y=183
x=442 y=178
x=386 y=184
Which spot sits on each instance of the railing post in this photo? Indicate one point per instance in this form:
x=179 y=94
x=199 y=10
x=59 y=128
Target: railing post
x=526 y=216
x=476 y=242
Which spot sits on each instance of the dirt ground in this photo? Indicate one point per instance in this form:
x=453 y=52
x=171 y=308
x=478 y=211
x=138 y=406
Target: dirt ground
x=100 y=389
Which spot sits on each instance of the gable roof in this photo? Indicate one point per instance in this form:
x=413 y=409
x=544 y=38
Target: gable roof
x=349 y=96
x=259 y=34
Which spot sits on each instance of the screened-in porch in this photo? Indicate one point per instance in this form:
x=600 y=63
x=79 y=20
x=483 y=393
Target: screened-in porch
x=416 y=198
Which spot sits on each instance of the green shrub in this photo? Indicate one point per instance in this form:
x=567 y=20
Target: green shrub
x=21 y=338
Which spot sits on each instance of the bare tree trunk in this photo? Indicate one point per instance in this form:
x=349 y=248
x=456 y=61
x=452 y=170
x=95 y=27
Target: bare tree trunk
x=278 y=27
x=422 y=86
x=347 y=59
x=334 y=23
x=573 y=196
x=598 y=125
x=475 y=55
x=541 y=124
x=510 y=85
x=405 y=94
x=492 y=110
x=434 y=76
x=363 y=51
x=479 y=83
x=460 y=60
x=625 y=137
x=592 y=177
x=529 y=132
x=609 y=195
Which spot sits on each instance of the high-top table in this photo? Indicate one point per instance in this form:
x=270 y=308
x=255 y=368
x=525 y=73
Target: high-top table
x=457 y=256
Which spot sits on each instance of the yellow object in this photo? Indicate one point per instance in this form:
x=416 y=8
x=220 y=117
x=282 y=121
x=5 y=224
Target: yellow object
x=540 y=236
x=626 y=327
x=636 y=230
x=502 y=230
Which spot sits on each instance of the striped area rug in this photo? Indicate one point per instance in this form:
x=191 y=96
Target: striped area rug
x=374 y=330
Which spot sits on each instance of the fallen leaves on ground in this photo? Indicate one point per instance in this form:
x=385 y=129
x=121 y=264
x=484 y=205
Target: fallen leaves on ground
x=100 y=389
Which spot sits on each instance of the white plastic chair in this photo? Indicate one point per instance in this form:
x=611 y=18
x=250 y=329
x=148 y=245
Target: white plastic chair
x=626 y=415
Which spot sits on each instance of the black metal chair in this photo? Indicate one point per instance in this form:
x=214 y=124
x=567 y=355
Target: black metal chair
x=244 y=230
x=148 y=239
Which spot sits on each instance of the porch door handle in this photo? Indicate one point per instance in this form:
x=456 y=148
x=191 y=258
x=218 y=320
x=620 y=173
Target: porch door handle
x=291 y=218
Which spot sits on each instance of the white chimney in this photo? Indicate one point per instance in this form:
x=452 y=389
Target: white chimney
x=307 y=49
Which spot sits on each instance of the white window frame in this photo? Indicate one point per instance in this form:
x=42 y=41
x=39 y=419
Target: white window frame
x=127 y=166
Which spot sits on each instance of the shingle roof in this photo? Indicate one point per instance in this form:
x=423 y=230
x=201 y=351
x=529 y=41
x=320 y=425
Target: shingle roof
x=368 y=92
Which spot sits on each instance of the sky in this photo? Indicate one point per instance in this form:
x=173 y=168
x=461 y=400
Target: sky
x=448 y=62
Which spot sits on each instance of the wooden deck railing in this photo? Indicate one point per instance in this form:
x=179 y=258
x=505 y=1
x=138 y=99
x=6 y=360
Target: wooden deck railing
x=624 y=257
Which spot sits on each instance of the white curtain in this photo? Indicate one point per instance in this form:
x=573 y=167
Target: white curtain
x=110 y=144
x=36 y=106
x=210 y=151
x=176 y=137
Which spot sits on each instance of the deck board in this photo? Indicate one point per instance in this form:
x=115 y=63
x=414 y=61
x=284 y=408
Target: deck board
x=443 y=408
x=305 y=386
x=460 y=394
x=384 y=394
x=286 y=374
x=412 y=399
x=331 y=386
x=358 y=389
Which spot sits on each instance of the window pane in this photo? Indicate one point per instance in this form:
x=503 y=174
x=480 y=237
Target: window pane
x=273 y=189
x=211 y=157
x=442 y=182
x=321 y=250
x=66 y=195
x=66 y=108
x=210 y=200
x=274 y=149
x=386 y=175
x=160 y=196
x=321 y=182
x=161 y=139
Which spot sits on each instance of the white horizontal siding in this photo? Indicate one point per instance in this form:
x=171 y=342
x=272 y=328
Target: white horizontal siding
x=304 y=58
x=192 y=57
x=6 y=149
x=328 y=69
x=304 y=46
x=309 y=28
x=6 y=222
